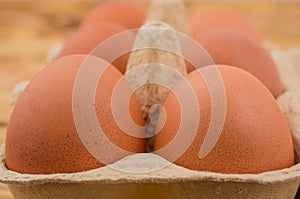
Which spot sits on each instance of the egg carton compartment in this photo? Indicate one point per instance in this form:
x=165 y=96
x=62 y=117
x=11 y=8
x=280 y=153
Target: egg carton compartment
x=171 y=181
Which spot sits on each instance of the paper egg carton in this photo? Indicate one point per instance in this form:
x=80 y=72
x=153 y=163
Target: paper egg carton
x=172 y=181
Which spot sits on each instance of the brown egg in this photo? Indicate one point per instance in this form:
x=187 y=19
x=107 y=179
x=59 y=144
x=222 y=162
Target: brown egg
x=255 y=137
x=124 y=13
x=237 y=49
x=41 y=135
x=219 y=18
x=88 y=39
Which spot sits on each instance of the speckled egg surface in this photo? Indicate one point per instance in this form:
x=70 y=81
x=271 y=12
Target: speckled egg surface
x=255 y=137
x=89 y=40
x=234 y=48
x=41 y=135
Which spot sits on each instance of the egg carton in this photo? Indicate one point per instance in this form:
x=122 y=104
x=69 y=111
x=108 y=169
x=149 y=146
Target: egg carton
x=172 y=181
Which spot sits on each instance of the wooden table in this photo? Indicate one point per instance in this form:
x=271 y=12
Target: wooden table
x=29 y=29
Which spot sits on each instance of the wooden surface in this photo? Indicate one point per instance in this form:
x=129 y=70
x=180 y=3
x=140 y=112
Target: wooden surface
x=29 y=29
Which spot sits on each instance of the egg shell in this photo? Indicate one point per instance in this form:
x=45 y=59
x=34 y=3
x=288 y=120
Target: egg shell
x=41 y=135
x=222 y=18
x=255 y=137
x=124 y=13
x=235 y=48
x=86 y=41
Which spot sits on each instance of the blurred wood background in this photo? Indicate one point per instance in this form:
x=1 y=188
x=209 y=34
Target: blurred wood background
x=29 y=29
